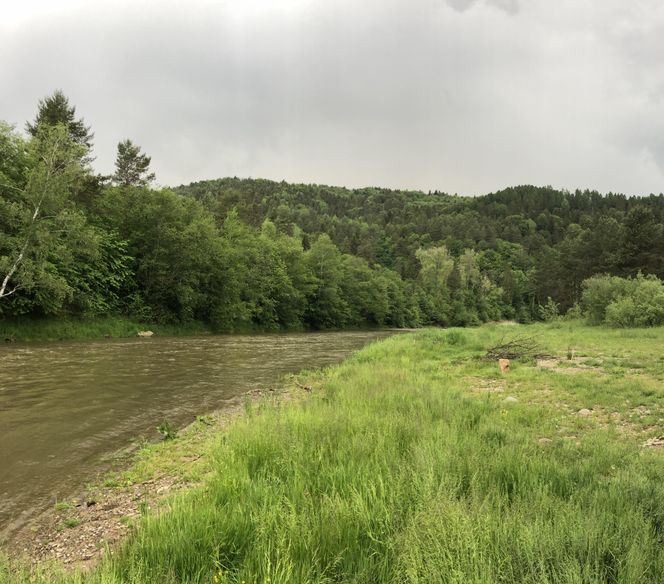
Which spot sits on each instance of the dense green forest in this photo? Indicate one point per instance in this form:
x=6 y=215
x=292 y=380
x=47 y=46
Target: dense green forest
x=245 y=254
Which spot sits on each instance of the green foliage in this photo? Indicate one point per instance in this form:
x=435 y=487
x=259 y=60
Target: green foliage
x=55 y=110
x=262 y=255
x=624 y=302
x=574 y=313
x=437 y=266
x=167 y=433
x=172 y=243
x=530 y=242
x=598 y=293
x=327 y=306
x=14 y=160
x=550 y=310
x=132 y=167
x=44 y=234
x=643 y=307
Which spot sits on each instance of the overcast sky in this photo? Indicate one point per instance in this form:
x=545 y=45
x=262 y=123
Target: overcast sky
x=465 y=96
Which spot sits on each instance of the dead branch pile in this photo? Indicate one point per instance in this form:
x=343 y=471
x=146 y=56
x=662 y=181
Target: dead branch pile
x=520 y=347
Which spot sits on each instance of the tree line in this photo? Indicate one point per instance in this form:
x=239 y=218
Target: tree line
x=244 y=254
x=527 y=243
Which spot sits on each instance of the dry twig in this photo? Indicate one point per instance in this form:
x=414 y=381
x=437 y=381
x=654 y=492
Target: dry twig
x=520 y=347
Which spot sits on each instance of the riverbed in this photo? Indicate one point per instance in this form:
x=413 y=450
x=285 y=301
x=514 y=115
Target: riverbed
x=66 y=408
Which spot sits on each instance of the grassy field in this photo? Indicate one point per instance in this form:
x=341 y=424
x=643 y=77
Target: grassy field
x=416 y=461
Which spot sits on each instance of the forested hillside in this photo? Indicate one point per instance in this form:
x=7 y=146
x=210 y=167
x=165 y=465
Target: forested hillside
x=530 y=242
x=244 y=254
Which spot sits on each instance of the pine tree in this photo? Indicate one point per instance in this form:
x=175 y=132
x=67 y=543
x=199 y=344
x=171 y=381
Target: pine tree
x=132 y=167
x=54 y=110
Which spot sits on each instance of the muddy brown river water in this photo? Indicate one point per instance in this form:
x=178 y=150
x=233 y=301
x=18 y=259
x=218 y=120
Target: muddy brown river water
x=65 y=408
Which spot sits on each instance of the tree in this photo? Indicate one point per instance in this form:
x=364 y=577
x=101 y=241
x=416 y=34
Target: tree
x=132 y=167
x=437 y=265
x=54 y=110
x=174 y=245
x=469 y=271
x=326 y=305
x=42 y=231
x=642 y=250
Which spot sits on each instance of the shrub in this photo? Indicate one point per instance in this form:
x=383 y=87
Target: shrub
x=549 y=311
x=624 y=302
x=598 y=292
x=622 y=312
x=574 y=313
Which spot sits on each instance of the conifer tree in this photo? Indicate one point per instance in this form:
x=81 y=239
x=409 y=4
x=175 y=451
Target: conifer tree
x=55 y=109
x=132 y=167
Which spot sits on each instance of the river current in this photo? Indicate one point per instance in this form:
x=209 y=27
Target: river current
x=66 y=407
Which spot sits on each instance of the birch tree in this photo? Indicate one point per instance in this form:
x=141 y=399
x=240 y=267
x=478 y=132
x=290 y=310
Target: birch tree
x=437 y=265
x=40 y=224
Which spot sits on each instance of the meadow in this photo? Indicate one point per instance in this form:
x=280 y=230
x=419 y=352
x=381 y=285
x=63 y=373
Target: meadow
x=416 y=460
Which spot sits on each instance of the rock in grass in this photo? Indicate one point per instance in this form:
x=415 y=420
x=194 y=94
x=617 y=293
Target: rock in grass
x=510 y=399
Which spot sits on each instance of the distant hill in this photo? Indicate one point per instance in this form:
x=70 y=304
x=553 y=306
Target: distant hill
x=551 y=239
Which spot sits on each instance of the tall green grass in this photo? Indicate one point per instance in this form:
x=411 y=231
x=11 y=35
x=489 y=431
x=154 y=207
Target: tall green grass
x=398 y=471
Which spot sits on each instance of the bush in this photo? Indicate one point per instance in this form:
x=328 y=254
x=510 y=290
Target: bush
x=598 y=292
x=624 y=302
x=622 y=312
x=549 y=311
x=574 y=313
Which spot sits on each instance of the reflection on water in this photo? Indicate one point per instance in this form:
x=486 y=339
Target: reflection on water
x=63 y=406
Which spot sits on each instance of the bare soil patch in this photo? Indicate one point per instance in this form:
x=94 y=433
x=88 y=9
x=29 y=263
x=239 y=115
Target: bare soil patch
x=569 y=366
x=81 y=534
x=487 y=385
x=657 y=442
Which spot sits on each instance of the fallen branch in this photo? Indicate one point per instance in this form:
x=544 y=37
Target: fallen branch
x=518 y=348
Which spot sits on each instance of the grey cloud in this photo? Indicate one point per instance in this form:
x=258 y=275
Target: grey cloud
x=656 y=149
x=403 y=94
x=509 y=6
x=461 y=5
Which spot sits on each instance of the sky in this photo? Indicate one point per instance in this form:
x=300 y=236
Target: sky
x=460 y=96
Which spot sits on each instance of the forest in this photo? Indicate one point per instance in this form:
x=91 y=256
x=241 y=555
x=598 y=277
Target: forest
x=252 y=254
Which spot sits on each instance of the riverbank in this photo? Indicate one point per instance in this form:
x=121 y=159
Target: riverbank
x=417 y=461
x=66 y=408
x=78 y=531
x=35 y=330
x=45 y=330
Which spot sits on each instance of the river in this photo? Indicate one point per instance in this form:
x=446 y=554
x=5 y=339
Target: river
x=66 y=407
